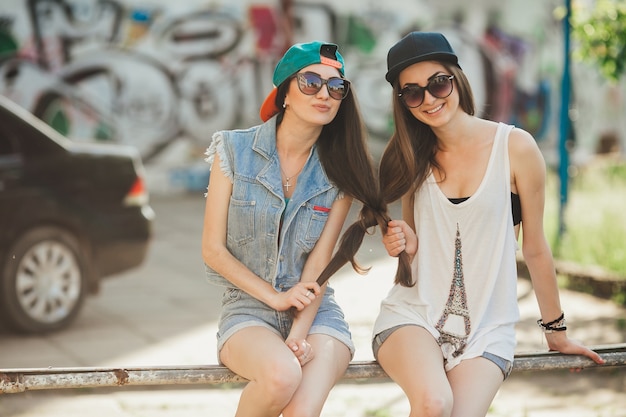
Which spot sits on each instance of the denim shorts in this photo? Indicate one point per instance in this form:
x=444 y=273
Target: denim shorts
x=240 y=310
x=505 y=365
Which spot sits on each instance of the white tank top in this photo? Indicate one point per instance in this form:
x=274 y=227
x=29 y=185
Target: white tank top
x=465 y=268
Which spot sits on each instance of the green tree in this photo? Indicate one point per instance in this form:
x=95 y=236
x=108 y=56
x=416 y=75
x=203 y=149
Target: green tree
x=600 y=36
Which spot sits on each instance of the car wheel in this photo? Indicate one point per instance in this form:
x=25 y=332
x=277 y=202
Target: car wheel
x=44 y=281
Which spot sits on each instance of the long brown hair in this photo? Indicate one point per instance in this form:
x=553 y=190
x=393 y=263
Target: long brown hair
x=344 y=154
x=404 y=166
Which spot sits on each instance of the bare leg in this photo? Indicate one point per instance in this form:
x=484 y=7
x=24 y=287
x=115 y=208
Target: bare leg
x=319 y=376
x=262 y=357
x=475 y=383
x=413 y=359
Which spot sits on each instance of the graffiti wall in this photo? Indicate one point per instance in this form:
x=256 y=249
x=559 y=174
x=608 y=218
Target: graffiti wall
x=163 y=76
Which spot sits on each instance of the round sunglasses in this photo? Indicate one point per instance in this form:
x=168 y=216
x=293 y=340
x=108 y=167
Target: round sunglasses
x=311 y=83
x=439 y=87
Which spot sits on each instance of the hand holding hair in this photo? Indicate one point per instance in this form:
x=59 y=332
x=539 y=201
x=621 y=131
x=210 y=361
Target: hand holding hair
x=351 y=242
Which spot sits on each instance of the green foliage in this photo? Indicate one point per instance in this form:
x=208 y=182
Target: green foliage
x=594 y=217
x=600 y=35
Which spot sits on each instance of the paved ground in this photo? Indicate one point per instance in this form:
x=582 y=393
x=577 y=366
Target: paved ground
x=164 y=314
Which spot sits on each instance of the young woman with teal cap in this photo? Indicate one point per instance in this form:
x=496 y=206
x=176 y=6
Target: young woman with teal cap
x=277 y=199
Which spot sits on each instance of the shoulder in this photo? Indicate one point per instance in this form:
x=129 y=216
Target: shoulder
x=522 y=145
x=236 y=135
x=520 y=139
x=527 y=163
x=236 y=140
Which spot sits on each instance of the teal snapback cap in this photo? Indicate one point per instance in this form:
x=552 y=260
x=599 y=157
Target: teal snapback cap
x=297 y=57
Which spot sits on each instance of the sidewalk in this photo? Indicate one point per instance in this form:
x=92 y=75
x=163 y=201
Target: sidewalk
x=164 y=322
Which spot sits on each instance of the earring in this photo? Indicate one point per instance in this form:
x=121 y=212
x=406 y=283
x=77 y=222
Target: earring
x=284 y=105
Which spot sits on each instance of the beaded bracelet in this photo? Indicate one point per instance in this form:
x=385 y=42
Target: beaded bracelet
x=557 y=325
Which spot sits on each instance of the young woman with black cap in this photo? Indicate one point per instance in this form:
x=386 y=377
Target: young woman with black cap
x=277 y=199
x=467 y=186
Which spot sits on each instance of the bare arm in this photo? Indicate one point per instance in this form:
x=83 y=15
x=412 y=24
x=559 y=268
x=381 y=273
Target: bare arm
x=216 y=255
x=318 y=259
x=529 y=176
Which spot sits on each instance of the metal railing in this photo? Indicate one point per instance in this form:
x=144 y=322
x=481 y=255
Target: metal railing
x=32 y=379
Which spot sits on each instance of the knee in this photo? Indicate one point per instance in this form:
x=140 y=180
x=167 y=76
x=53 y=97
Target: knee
x=432 y=404
x=282 y=380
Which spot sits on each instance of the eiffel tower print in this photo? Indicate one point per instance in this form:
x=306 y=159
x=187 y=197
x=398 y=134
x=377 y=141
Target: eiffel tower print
x=456 y=307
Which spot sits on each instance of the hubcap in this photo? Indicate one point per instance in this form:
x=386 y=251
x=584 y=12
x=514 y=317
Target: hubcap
x=48 y=282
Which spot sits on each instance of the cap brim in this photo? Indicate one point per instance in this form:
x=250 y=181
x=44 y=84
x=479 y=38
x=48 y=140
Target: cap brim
x=268 y=108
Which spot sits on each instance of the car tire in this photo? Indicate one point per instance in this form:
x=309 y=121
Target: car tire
x=44 y=281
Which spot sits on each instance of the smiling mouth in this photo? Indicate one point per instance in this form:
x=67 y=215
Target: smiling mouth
x=436 y=109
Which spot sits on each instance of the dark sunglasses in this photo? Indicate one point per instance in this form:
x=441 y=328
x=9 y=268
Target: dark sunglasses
x=311 y=83
x=440 y=87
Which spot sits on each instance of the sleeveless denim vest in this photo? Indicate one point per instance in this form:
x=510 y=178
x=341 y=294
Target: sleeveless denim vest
x=275 y=252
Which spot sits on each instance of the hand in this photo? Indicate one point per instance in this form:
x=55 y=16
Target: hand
x=400 y=237
x=298 y=296
x=558 y=341
x=301 y=349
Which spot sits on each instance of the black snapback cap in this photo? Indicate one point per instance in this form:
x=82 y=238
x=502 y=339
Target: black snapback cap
x=417 y=47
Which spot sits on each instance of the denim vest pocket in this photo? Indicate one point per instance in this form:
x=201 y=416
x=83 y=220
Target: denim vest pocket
x=310 y=226
x=230 y=296
x=241 y=221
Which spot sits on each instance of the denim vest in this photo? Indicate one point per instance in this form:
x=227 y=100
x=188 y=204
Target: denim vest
x=277 y=253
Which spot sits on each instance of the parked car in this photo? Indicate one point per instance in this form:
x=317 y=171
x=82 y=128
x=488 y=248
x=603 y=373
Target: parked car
x=71 y=213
